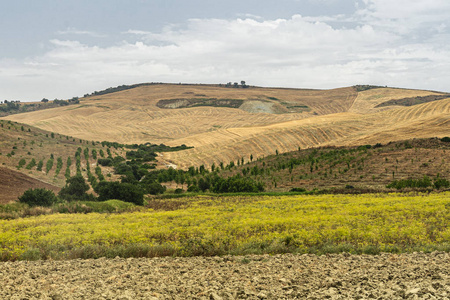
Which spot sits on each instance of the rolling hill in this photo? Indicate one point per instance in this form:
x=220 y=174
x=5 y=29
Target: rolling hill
x=226 y=124
x=34 y=158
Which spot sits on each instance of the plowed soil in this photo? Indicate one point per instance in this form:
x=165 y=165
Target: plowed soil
x=340 y=276
x=13 y=184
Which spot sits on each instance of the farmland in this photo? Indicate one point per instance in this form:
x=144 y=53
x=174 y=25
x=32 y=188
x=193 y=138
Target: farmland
x=208 y=226
x=226 y=124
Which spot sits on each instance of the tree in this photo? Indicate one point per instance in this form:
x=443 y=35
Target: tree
x=44 y=100
x=38 y=197
x=155 y=188
x=121 y=191
x=75 y=189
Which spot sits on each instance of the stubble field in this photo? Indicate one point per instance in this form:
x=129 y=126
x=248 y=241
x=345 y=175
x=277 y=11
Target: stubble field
x=269 y=119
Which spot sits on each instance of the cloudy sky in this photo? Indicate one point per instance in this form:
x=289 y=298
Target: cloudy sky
x=65 y=48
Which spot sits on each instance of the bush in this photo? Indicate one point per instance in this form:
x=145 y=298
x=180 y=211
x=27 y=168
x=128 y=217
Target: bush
x=179 y=191
x=297 y=190
x=38 y=197
x=121 y=191
x=22 y=163
x=75 y=189
x=193 y=189
x=445 y=139
x=106 y=162
x=424 y=182
x=439 y=183
x=155 y=188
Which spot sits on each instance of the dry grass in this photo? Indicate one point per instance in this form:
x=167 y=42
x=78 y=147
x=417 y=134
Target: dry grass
x=228 y=134
x=367 y=100
x=132 y=116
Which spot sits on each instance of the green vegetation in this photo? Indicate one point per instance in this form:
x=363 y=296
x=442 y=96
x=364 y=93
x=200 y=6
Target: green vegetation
x=31 y=164
x=118 y=89
x=40 y=165
x=209 y=226
x=38 y=197
x=122 y=191
x=195 y=102
x=49 y=165
x=22 y=163
x=365 y=87
x=425 y=182
x=59 y=165
x=413 y=100
x=14 y=107
x=75 y=189
x=367 y=168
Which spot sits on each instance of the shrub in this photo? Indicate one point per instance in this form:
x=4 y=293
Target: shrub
x=75 y=189
x=121 y=191
x=155 y=188
x=441 y=183
x=106 y=162
x=31 y=164
x=49 y=165
x=22 y=163
x=446 y=139
x=38 y=197
x=298 y=190
x=39 y=166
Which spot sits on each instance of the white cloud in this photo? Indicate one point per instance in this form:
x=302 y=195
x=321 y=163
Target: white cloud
x=384 y=45
x=74 y=31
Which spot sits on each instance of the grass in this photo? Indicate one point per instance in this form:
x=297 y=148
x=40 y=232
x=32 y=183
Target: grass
x=16 y=210
x=238 y=225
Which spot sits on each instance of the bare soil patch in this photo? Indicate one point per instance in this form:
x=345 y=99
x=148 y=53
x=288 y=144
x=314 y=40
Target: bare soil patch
x=339 y=276
x=13 y=184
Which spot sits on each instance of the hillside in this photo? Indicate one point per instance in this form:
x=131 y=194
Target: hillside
x=13 y=184
x=368 y=167
x=35 y=158
x=226 y=124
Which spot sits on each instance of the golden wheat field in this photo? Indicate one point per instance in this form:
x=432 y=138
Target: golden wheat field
x=268 y=120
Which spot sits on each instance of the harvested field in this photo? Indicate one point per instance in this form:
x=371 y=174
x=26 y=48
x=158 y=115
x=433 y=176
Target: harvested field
x=420 y=121
x=338 y=276
x=269 y=119
x=132 y=116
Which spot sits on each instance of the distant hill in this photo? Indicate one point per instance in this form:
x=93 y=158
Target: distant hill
x=225 y=124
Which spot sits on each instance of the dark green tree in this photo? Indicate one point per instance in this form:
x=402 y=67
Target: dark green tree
x=121 y=191
x=38 y=197
x=75 y=189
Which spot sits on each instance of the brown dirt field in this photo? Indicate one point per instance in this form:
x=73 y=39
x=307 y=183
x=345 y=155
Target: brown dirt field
x=13 y=184
x=334 y=276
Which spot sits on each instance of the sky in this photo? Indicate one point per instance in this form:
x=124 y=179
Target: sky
x=66 y=48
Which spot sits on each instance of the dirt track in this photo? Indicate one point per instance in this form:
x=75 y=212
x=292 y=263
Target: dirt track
x=386 y=276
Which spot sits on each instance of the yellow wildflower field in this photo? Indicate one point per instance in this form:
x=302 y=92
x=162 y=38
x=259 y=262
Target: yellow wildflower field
x=205 y=225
